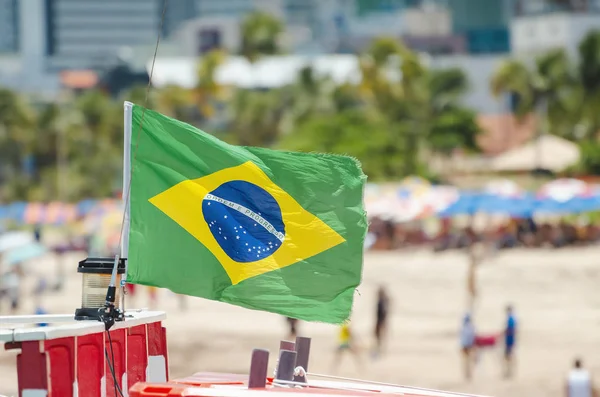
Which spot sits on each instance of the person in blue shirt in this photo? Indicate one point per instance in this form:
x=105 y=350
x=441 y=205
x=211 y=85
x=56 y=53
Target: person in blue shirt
x=510 y=339
x=467 y=344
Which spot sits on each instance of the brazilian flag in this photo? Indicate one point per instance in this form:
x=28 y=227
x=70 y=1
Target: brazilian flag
x=267 y=230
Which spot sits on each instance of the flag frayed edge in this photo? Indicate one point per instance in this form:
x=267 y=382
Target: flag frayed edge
x=363 y=178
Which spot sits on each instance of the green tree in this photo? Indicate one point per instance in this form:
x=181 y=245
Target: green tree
x=364 y=136
x=95 y=145
x=452 y=125
x=422 y=105
x=588 y=87
x=260 y=35
x=256 y=117
x=17 y=138
x=207 y=91
x=544 y=88
x=176 y=102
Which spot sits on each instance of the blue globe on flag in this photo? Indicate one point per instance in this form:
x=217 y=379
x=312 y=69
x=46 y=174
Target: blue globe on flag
x=245 y=220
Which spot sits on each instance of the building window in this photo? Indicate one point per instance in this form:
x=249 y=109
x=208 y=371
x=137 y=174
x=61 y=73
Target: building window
x=208 y=39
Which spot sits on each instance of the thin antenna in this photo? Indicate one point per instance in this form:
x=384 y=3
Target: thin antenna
x=112 y=288
x=109 y=313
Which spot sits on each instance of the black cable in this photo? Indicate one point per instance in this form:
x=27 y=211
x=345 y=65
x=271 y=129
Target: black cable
x=111 y=366
x=112 y=371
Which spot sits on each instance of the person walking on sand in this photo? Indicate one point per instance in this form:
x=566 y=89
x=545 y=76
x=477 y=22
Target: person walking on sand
x=293 y=324
x=346 y=342
x=510 y=339
x=579 y=382
x=381 y=315
x=476 y=255
x=467 y=344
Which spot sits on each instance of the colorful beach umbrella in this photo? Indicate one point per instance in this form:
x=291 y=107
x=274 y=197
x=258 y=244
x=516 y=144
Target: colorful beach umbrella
x=567 y=196
x=24 y=253
x=12 y=240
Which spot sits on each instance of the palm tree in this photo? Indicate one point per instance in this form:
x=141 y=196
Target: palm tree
x=175 y=101
x=452 y=125
x=589 y=85
x=376 y=66
x=207 y=90
x=542 y=85
x=540 y=89
x=545 y=88
x=257 y=116
x=17 y=137
x=308 y=96
x=260 y=35
x=95 y=131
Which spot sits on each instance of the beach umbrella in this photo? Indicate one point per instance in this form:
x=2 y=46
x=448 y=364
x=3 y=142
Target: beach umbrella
x=34 y=213
x=567 y=196
x=54 y=213
x=16 y=211
x=467 y=204
x=57 y=213
x=442 y=197
x=503 y=188
x=85 y=206
x=413 y=199
x=380 y=200
x=505 y=197
x=105 y=209
x=521 y=206
x=565 y=189
x=12 y=240
x=24 y=253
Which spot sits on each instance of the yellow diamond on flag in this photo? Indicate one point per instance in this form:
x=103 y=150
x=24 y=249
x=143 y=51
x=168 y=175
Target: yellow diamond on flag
x=246 y=221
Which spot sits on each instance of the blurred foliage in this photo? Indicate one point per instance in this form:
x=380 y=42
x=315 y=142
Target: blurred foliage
x=399 y=115
x=563 y=91
x=260 y=35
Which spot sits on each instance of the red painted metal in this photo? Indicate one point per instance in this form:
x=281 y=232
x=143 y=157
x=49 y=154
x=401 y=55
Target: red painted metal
x=119 y=361
x=137 y=354
x=77 y=364
x=32 y=370
x=90 y=364
x=61 y=354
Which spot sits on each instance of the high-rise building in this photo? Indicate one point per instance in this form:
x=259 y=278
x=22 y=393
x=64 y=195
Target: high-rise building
x=177 y=13
x=9 y=26
x=484 y=24
x=541 y=25
x=541 y=7
x=90 y=33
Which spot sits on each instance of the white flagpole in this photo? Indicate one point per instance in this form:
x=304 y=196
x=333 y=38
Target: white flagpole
x=128 y=108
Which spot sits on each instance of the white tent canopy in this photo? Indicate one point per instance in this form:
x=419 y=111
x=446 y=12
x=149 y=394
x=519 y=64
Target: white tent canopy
x=267 y=72
x=549 y=152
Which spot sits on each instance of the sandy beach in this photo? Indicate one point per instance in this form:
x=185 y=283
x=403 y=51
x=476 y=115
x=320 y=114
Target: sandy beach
x=555 y=294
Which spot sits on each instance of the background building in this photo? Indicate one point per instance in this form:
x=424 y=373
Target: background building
x=9 y=26
x=88 y=34
x=539 y=25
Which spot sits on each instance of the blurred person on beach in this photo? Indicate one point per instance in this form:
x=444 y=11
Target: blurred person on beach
x=381 y=316
x=346 y=343
x=38 y=293
x=510 y=340
x=579 y=382
x=293 y=325
x=10 y=287
x=476 y=253
x=467 y=344
x=37 y=233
